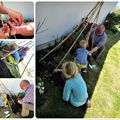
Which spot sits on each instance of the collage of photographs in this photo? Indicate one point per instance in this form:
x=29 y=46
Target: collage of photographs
x=59 y=59
x=17 y=59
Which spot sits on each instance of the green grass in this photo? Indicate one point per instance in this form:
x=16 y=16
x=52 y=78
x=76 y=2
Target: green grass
x=118 y=27
x=103 y=87
x=12 y=68
x=12 y=115
x=106 y=97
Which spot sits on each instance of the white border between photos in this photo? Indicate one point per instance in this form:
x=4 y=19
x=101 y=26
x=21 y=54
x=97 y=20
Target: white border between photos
x=35 y=1
x=34 y=80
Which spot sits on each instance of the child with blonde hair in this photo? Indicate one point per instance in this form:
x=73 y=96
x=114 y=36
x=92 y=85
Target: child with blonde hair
x=4 y=100
x=81 y=56
x=75 y=89
x=9 y=46
x=18 y=53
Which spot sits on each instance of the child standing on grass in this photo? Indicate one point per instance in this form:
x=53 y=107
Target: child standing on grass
x=75 y=89
x=81 y=56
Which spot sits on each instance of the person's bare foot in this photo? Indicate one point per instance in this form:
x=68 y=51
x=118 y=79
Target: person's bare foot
x=4 y=31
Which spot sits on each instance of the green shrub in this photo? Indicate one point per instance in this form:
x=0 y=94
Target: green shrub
x=40 y=85
x=111 y=20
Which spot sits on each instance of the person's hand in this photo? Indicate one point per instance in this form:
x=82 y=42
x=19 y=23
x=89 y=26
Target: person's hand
x=15 y=17
x=90 y=53
x=4 y=31
x=26 y=29
x=20 y=101
x=55 y=70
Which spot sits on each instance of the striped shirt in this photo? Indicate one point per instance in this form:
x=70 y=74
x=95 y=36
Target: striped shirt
x=29 y=95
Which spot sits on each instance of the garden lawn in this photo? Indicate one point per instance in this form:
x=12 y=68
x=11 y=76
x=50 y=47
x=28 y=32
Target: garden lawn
x=103 y=86
x=106 y=97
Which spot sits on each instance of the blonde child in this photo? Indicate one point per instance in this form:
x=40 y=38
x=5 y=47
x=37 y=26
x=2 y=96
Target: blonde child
x=75 y=89
x=9 y=46
x=81 y=56
x=17 y=55
x=3 y=96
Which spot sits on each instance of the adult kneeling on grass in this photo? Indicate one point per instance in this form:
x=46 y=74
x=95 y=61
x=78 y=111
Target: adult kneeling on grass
x=97 y=41
x=28 y=101
x=75 y=89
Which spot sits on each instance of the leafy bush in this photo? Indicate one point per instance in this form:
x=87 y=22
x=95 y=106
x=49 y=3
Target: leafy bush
x=40 y=85
x=111 y=20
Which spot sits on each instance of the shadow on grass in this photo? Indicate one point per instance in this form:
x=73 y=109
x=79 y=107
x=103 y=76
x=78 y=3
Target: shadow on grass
x=54 y=106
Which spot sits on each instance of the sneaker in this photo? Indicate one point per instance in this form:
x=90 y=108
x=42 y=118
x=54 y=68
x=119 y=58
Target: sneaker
x=88 y=104
x=7 y=116
x=10 y=63
x=84 y=71
x=90 y=66
x=6 y=106
x=6 y=112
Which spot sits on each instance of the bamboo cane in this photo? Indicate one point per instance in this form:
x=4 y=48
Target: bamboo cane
x=82 y=29
x=27 y=65
x=14 y=51
x=94 y=8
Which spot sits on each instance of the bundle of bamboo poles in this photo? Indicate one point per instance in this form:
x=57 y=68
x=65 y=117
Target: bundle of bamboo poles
x=95 y=11
x=99 y=6
x=7 y=54
x=11 y=52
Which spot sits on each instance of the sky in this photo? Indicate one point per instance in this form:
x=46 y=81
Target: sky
x=118 y=4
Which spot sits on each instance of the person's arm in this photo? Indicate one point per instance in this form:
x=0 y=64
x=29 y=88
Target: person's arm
x=76 y=51
x=90 y=40
x=26 y=29
x=29 y=95
x=3 y=10
x=93 y=50
x=26 y=98
x=100 y=44
x=67 y=91
x=20 y=101
x=58 y=70
x=15 y=16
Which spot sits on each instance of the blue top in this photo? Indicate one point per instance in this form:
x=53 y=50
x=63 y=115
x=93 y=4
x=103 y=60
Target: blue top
x=1 y=101
x=81 y=56
x=75 y=90
x=16 y=56
x=99 y=40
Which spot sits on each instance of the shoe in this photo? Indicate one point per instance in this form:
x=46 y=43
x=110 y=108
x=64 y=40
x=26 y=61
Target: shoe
x=90 y=66
x=88 y=104
x=84 y=71
x=6 y=112
x=7 y=116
